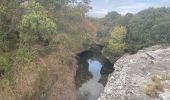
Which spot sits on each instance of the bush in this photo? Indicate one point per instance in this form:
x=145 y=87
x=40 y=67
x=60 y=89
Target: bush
x=36 y=24
x=23 y=55
x=148 y=27
x=4 y=63
x=115 y=43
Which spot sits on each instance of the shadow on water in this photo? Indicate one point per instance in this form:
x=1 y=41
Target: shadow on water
x=92 y=73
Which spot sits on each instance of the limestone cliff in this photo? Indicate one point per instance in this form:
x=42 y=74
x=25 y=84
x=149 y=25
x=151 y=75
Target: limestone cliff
x=142 y=76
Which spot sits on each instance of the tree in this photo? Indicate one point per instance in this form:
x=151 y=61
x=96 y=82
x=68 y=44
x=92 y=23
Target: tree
x=106 y=25
x=35 y=24
x=113 y=15
x=24 y=23
x=148 y=27
x=115 y=43
x=124 y=20
x=8 y=38
x=160 y=31
x=84 y=5
x=8 y=20
x=55 y=4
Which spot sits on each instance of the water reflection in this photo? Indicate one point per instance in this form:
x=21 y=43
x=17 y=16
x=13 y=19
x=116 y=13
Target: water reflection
x=95 y=67
x=92 y=89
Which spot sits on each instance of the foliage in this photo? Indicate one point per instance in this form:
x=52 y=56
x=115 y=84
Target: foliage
x=115 y=43
x=35 y=24
x=4 y=63
x=8 y=20
x=147 y=28
x=113 y=15
x=23 y=55
x=89 y=26
x=160 y=30
x=27 y=30
x=105 y=25
x=27 y=23
x=124 y=20
x=84 y=6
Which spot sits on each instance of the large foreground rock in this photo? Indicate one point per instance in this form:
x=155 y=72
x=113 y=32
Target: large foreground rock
x=133 y=73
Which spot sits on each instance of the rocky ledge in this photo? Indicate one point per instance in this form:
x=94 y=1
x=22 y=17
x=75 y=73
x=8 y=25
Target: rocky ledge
x=142 y=76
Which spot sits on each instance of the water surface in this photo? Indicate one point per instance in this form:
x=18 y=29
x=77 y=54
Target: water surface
x=92 y=89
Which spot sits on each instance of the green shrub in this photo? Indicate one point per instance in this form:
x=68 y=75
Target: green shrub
x=36 y=24
x=23 y=55
x=115 y=43
x=4 y=63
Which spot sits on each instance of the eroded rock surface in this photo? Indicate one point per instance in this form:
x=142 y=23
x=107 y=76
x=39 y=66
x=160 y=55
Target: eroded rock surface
x=133 y=72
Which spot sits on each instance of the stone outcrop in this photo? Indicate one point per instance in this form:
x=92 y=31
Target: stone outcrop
x=133 y=76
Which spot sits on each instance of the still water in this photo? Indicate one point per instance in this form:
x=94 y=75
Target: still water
x=92 y=89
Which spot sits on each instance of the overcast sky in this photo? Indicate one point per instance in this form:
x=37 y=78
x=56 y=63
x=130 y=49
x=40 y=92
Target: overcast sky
x=102 y=7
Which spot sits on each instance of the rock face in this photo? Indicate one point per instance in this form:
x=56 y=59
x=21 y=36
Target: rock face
x=133 y=73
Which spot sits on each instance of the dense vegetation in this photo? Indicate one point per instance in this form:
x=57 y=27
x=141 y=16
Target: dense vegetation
x=115 y=41
x=24 y=24
x=146 y=28
x=32 y=29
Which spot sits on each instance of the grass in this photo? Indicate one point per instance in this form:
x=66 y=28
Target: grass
x=7 y=93
x=152 y=89
x=35 y=73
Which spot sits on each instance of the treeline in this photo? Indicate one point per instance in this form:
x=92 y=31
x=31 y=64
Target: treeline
x=48 y=23
x=129 y=33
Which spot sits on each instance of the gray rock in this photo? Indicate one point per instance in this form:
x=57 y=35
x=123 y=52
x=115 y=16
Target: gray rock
x=133 y=72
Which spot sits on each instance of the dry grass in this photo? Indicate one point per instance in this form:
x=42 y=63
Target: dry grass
x=50 y=75
x=6 y=92
x=150 y=90
x=56 y=80
x=165 y=76
x=153 y=88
